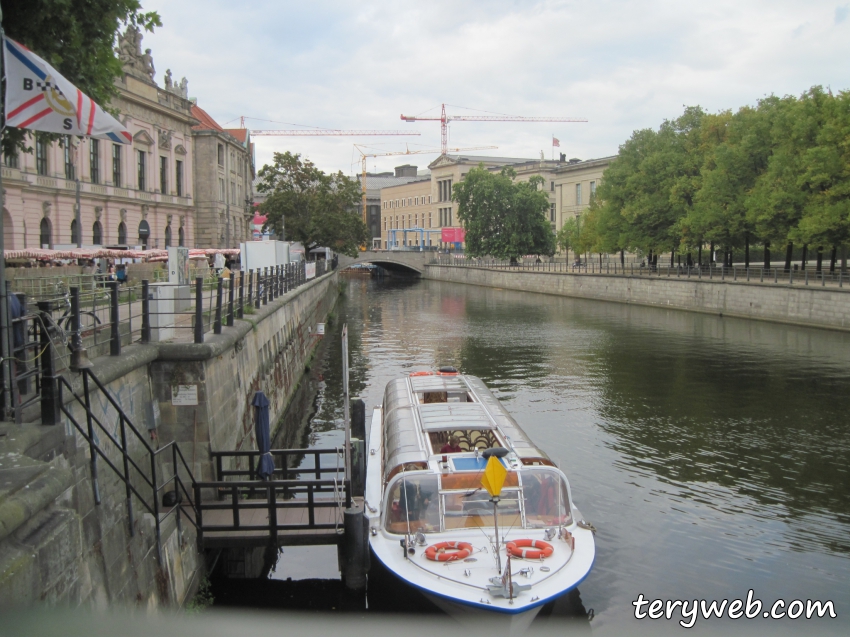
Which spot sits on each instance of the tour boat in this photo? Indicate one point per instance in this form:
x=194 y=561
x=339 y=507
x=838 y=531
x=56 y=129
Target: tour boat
x=432 y=522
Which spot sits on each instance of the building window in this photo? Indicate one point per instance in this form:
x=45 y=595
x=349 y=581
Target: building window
x=178 y=177
x=552 y=212
x=578 y=194
x=94 y=160
x=46 y=234
x=220 y=189
x=168 y=236
x=592 y=189
x=11 y=160
x=429 y=219
x=141 y=166
x=97 y=233
x=181 y=236
x=163 y=175
x=75 y=232
x=122 y=233
x=232 y=192
x=220 y=155
x=70 y=173
x=40 y=155
x=116 y=165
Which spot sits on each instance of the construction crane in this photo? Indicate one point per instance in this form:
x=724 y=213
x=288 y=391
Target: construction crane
x=320 y=132
x=445 y=119
x=422 y=151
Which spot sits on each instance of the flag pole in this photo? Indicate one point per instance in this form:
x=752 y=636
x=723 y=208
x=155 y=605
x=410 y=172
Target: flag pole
x=5 y=367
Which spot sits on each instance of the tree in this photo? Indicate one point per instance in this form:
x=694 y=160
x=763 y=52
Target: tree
x=781 y=193
x=78 y=39
x=651 y=186
x=317 y=209
x=503 y=218
x=825 y=218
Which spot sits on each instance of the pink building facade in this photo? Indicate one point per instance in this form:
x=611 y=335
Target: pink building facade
x=132 y=195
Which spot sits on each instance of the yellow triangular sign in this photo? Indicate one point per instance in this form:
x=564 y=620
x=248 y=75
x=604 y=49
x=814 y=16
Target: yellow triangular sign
x=494 y=476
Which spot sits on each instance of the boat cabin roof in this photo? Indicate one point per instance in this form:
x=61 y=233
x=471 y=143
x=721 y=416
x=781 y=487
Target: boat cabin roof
x=423 y=410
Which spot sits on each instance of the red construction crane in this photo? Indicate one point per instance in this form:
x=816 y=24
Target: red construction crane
x=445 y=119
x=321 y=132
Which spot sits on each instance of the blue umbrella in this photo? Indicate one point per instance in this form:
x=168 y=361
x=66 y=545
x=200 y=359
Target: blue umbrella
x=261 y=425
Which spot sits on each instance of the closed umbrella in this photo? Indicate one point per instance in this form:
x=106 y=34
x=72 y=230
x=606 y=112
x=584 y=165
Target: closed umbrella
x=261 y=425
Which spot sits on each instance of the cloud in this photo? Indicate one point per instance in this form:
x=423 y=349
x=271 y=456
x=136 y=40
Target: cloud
x=623 y=65
x=841 y=13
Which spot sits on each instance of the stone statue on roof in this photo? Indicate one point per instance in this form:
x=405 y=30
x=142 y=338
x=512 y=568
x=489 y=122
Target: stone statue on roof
x=184 y=88
x=147 y=64
x=168 y=83
x=130 y=53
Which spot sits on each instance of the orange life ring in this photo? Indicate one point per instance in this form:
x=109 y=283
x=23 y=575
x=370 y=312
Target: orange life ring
x=447 y=373
x=422 y=374
x=448 y=551
x=530 y=549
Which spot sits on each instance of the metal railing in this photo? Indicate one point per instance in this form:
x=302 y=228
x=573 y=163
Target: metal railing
x=240 y=489
x=143 y=483
x=779 y=276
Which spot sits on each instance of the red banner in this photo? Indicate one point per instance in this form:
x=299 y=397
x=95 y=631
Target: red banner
x=453 y=235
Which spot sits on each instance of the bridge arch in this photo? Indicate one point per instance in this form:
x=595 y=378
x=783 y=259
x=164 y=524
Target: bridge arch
x=402 y=262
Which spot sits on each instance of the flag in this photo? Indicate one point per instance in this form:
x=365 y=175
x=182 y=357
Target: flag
x=556 y=142
x=39 y=98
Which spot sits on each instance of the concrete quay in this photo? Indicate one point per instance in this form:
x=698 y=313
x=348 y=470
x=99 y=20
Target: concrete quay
x=809 y=306
x=57 y=545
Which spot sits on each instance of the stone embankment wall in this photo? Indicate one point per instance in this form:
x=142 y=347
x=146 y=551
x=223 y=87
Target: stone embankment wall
x=56 y=544
x=811 y=306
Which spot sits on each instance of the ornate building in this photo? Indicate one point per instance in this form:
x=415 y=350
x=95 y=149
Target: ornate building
x=224 y=175
x=136 y=195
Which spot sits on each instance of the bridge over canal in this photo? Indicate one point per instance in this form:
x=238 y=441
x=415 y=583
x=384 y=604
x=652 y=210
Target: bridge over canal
x=400 y=261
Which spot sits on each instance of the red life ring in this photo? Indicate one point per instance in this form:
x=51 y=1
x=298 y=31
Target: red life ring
x=530 y=549
x=448 y=551
x=422 y=374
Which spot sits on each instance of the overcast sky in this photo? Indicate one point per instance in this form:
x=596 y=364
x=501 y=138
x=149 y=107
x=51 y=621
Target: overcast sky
x=621 y=65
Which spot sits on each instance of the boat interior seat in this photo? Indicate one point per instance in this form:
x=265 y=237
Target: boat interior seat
x=468 y=439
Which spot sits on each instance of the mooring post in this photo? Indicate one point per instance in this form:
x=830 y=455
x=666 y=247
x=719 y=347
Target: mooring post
x=250 y=287
x=355 y=554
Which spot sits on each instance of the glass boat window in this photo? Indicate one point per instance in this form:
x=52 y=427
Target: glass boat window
x=474 y=509
x=431 y=397
x=413 y=504
x=468 y=439
x=545 y=503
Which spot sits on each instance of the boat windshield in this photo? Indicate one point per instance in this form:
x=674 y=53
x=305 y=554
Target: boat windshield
x=473 y=509
x=544 y=502
x=413 y=504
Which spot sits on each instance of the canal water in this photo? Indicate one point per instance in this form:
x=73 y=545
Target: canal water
x=712 y=454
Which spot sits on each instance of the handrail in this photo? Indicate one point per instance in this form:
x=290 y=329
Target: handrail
x=150 y=503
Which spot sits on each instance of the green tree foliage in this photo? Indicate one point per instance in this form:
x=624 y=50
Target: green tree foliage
x=77 y=37
x=778 y=172
x=503 y=218
x=317 y=209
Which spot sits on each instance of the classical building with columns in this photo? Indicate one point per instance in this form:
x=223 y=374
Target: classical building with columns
x=416 y=211
x=133 y=195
